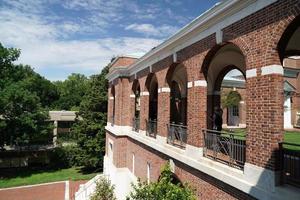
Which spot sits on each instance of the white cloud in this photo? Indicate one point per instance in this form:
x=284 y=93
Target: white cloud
x=43 y=44
x=150 y=30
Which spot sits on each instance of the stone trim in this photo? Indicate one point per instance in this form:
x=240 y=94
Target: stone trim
x=111 y=98
x=250 y=73
x=272 y=69
x=190 y=84
x=132 y=96
x=145 y=93
x=200 y=83
x=164 y=89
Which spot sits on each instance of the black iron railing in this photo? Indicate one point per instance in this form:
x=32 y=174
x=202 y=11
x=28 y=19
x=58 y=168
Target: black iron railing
x=136 y=124
x=177 y=135
x=151 y=129
x=290 y=163
x=225 y=147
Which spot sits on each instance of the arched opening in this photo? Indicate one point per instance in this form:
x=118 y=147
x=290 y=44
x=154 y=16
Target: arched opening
x=227 y=62
x=151 y=123
x=233 y=94
x=177 y=81
x=224 y=69
x=113 y=97
x=136 y=90
x=289 y=53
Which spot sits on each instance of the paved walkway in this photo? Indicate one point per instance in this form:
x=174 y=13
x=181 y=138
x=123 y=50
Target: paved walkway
x=64 y=190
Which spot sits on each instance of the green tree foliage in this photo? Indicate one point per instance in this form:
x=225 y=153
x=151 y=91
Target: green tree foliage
x=163 y=189
x=89 y=132
x=23 y=93
x=231 y=98
x=104 y=190
x=71 y=92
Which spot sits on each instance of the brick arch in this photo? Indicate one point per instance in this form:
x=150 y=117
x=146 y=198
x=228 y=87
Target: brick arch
x=135 y=86
x=148 y=81
x=278 y=33
x=237 y=42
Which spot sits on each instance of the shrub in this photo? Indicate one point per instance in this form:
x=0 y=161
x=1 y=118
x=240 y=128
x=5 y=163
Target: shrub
x=104 y=190
x=63 y=156
x=163 y=189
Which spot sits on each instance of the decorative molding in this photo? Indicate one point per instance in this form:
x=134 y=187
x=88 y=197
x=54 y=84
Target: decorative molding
x=159 y=90
x=132 y=96
x=190 y=84
x=175 y=57
x=150 y=68
x=165 y=89
x=145 y=93
x=219 y=36
x=272 y=69
x=250 y=73
x=200 y=83
x=111 y=98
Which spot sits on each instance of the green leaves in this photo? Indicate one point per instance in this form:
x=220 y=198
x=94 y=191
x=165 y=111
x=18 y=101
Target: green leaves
x=89 y=132
x=22 y=118
x=163 y=189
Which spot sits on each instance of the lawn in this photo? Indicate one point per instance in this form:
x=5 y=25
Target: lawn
x=289 y=137
x=36 y=176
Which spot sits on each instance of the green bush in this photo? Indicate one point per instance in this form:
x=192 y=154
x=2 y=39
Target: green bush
x=163 y=189
x=63 y=156
x=104 y=190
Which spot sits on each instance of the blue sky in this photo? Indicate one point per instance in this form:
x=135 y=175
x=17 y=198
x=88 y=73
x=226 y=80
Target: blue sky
x=60 y=37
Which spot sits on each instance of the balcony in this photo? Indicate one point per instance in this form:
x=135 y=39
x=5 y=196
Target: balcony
x=225 y=147
x=136 y=124
x=151 y=129
x=290 y=163
x=177 y=135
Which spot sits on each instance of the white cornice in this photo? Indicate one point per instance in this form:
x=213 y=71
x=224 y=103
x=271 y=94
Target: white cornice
x=210 y=22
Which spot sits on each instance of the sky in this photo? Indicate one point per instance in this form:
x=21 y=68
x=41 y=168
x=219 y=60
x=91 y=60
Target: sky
x=60 y=37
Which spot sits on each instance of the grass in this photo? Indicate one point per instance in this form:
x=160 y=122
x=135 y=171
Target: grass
x=35 y=176
x=289 y=137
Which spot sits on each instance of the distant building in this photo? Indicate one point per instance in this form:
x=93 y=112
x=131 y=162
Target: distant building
x=63 y=121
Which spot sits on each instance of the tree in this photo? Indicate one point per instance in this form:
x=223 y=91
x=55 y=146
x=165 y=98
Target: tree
x=22 y=117
x=104 y=190
x=71 y=92
x=89 y=132
x=163 y=189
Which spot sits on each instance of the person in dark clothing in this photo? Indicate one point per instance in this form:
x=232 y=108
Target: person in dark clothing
x=217 y=119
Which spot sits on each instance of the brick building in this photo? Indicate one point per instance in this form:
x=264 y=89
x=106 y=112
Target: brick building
x=160 y=105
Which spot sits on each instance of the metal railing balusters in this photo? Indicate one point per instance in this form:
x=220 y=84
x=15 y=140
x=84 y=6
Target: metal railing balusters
x=224 y=147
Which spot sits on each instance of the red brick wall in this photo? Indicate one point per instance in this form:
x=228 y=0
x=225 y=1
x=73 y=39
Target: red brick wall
x=257 y=37
x=206 y=187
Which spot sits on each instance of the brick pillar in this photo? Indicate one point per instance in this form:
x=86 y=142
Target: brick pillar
x=196 y=112
x=131 y=108
x=163 y=111
x=144 y=110
x=264 y=118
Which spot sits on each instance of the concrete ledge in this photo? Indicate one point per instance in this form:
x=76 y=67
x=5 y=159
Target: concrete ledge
x=249 y=181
